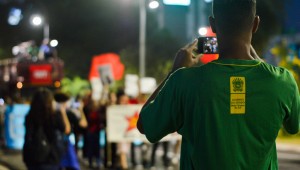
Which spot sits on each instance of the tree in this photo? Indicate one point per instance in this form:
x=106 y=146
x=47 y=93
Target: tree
x=75 y=86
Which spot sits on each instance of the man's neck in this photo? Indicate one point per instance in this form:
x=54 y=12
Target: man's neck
x=235 y=50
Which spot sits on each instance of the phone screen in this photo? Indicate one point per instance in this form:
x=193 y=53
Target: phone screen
x=75 y=105
x=207 y=45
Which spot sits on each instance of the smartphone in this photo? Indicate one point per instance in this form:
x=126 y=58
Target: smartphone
x=75 y=105
x=207 y=45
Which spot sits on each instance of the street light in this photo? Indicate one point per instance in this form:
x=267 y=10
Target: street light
x=154 y=4
x=37 y=20
x=53 y=43
x=142 y=41
x=202 y=31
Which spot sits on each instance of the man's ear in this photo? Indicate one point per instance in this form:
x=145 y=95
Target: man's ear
x=255 y=24
x=212 y=23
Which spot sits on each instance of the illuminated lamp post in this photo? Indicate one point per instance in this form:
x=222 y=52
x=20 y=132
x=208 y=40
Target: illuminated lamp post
x=142 y=34
x=37 y=20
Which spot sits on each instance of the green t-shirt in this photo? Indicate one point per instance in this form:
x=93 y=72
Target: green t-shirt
x=228 y=112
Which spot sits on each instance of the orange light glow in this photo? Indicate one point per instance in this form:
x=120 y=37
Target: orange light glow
x=19 y=85
x=57 y=84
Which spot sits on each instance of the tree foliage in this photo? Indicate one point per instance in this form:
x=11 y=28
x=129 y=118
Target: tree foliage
x=75 y=86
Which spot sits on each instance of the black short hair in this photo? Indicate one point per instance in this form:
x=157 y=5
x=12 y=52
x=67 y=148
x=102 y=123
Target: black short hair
x=61 y=97
x=120 y=92
x=234 y=17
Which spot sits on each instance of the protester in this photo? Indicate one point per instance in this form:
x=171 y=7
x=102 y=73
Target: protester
x=46 y=52
x=78 y=115
x=229 y=111
x=123 y=147
x=138 y=145
x=165 y=159
x=91 y=149
x=44 y=144
x=77 y=120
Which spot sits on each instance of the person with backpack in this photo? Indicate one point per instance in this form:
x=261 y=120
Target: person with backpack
x=45 y=128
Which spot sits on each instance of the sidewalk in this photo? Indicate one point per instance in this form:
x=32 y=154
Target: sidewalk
x=12 y=160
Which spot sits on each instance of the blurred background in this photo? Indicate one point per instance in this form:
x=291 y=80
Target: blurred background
x=60 y=44
x=85 y=29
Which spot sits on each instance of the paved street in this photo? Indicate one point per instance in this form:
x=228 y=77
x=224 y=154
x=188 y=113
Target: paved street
x=289 y=159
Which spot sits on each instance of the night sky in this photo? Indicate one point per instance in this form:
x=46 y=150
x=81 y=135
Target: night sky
x=100 y=21
x=85 y=28
x=109 y=24
x=293 y=16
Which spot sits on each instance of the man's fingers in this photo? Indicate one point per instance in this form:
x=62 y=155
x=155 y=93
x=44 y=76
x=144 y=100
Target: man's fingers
x=191 y=45
x=197 y=56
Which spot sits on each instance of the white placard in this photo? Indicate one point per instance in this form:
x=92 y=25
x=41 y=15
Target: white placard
x=96 y=88
x=121 y=124
x=131 y=85
x=148 y=85
x=106 y=75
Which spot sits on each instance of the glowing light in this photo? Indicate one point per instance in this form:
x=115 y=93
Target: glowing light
x=15 y=50
x=177 y=2
x=19 y=85
x=53 y=43
x=36 y=20
x=57 y=84
x=15 y=16
x=153 y=4
x=203 y=31
x=2 y=102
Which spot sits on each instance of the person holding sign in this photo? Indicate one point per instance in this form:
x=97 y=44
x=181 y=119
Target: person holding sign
x=228 y=111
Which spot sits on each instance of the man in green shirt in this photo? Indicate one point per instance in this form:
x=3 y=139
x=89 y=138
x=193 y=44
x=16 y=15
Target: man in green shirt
x=229 y=111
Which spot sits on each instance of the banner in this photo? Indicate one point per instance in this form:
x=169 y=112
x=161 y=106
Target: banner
x=15 y=125
x=121 y=124
x=111 y=59
x=40 y=74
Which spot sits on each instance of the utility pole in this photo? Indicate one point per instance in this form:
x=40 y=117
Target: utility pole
x=142 y=41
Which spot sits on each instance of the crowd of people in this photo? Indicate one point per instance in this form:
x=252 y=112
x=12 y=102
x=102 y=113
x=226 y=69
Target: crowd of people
x=29 y=50
x=56 y=115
